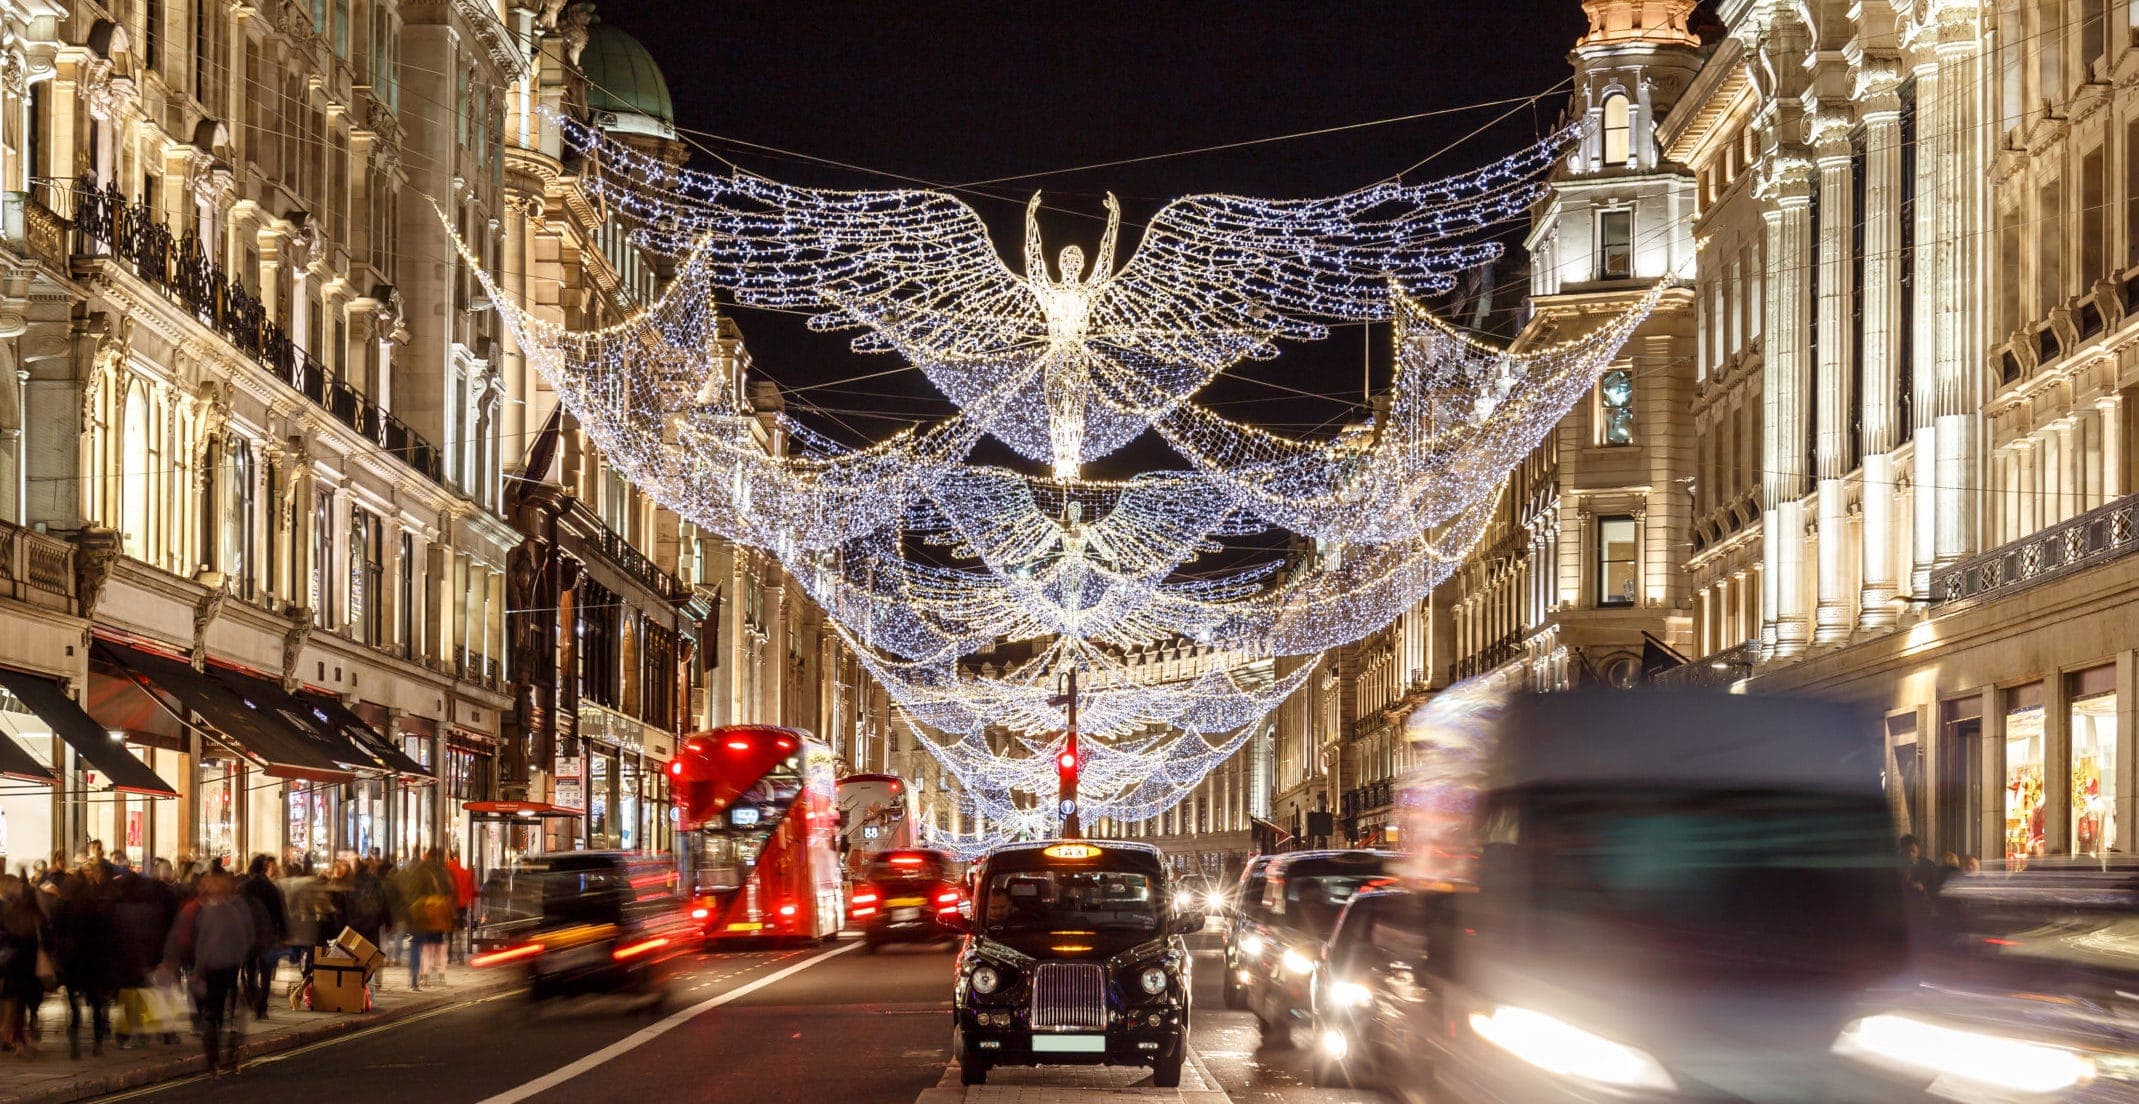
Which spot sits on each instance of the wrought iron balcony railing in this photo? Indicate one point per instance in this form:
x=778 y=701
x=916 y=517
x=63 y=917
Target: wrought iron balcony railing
x=109 y=225
x=2105 y=533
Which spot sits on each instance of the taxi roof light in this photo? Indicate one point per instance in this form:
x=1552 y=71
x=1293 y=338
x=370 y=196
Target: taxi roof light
x=1071 y=851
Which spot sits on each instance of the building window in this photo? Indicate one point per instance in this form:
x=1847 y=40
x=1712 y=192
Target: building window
x=239 y=519
x=1616 y=561
x=324 y=614
x=1615 y=244
x=367 y=571
x=1618 y=130
x=2025 y=808
x=1615 y=407
x=2094 y=760
x=406 y=599
x=135 y=464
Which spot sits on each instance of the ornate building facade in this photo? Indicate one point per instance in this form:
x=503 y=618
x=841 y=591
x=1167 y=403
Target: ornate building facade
x=267 y=461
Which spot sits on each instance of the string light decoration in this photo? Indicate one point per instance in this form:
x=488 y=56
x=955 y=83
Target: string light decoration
x=1215 y=279
x=967 y=590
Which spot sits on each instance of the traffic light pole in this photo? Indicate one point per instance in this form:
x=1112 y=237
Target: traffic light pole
x=1067 y=780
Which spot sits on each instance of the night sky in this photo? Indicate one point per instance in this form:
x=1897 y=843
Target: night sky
x=956 y=94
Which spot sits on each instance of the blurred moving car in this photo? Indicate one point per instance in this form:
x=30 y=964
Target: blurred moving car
x=584 y=923
x=904 y=896
x=1303 y=893
x=1367 y=991
x=1074 y=957
x=1245 y=937
x=1680 y=896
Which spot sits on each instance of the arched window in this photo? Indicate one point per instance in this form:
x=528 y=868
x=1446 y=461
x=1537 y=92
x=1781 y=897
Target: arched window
x=1618 y=130
x=134 y=475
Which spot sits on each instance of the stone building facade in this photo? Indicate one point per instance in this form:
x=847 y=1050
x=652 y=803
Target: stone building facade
x=255 y=525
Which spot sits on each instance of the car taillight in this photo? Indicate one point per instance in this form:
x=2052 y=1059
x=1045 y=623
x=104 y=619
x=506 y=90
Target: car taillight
x=787 y=909
x=947 y=897
x=630 y=951
x=509 y=954
x=864 y=896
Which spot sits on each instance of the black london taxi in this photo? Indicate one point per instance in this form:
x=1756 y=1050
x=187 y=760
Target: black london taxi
x=1073 y=956
x=904 y=897
x=1303 y=893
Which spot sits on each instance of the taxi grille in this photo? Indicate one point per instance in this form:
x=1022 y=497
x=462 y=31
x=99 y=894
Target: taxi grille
x=1069 y=995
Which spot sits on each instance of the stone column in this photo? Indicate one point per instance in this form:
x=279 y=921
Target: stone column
x=1957 y=149
x=1831 y=375
x=1882 y=310
x=1784 y=384
x=2112 y=409
x=1923 y=391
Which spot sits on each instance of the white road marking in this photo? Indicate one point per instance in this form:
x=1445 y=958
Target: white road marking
x=648 y=1034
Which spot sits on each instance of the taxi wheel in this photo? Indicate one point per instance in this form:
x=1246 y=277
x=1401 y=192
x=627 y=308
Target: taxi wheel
x=1166 y=1074
x=972 y=1072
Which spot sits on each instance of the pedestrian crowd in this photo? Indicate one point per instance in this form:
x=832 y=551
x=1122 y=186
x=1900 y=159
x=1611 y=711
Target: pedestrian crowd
x=144 y=956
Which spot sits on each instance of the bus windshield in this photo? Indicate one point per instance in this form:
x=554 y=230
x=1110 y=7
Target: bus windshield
x=726 y=849
x=1690 y=882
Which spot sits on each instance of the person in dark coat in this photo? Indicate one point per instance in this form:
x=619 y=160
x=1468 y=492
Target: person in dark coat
x=259 y=887
x=368 y=908
x=143 y=912
x=22 y=936
x=86 y=938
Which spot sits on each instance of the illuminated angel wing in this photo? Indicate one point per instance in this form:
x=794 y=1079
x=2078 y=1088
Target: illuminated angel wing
x=916 y=269
x=1218 y=277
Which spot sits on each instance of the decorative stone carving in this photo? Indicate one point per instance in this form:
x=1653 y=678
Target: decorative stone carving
x=96 y=550
x=204 y=614
x=293 y=644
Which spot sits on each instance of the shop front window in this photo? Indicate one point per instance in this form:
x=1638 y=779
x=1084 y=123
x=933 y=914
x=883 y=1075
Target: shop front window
x=221 y=783
x=627 y=810
x=312 y=823
x=2094 y=761
x=25 y=809
x=2024 y=805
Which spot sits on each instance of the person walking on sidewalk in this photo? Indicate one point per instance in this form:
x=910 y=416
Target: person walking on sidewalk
x=259 y=887
x=463 y=901
x=22 y=945
x=427 y=903
x=86 y=936
x=142 y=914
x=214 y=938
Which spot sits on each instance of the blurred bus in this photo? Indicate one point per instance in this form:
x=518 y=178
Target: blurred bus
x=757 y=838
x=876 y=814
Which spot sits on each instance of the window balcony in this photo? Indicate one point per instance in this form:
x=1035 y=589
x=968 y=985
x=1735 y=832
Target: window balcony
x=35 y=569
x=108 y=226
x=2105 y=533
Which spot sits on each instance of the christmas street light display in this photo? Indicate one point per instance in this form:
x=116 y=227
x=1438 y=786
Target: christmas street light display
x=927 y=563
x=1095 y=354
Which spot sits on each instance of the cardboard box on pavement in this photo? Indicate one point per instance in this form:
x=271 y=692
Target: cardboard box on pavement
x=338 y=986
x=363 y=951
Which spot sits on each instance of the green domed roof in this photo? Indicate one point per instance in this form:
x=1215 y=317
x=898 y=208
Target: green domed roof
x=624 y=82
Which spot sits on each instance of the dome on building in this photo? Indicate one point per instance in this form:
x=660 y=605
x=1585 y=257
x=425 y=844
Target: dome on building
x=625 y=89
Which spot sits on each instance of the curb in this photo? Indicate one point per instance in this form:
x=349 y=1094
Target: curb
x=171 y=1069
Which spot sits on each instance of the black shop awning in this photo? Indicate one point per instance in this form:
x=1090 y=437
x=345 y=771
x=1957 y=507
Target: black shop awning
x=278 y=747
x=108 y=757
x=329 y=711
x=268 y=698
x=20 y=765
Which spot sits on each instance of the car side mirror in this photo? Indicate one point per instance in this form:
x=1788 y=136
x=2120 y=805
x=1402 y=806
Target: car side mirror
x=1187 y=923
x=955 y=921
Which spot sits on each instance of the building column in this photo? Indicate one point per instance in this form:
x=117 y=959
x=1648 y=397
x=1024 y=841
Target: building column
x=2112 y=410
x=1957 y=150
x=2056 y=765
x=1882 y=311
x=1831 y=375
x=1785 y=382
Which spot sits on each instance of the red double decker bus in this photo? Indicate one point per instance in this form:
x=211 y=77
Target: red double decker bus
x=757 y=834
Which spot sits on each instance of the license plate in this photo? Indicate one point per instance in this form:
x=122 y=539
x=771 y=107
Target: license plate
x=905 y=914
x=1069 y=1044
x=575 y=958
x=897 y=901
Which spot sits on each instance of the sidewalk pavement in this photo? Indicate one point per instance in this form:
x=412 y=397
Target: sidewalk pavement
x=53 y=1078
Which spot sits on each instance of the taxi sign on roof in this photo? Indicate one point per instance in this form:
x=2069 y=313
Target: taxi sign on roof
x=1071 y=851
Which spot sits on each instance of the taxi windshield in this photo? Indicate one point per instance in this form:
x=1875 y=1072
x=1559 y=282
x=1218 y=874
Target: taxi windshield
x=1055 y=900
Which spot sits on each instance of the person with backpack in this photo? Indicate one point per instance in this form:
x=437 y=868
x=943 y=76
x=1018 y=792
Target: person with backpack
x=216 y=935
x=426 y=896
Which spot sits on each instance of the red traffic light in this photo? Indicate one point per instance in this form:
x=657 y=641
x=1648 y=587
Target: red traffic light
x=1067 y=761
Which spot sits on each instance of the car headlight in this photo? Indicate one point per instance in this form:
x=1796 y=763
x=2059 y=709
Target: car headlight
x=1349 y=994
x=1562 y=1048
x=1153 y=980
x=1251 y=944
x=2005 y=1063
x=1297 y=961
x=1214 y=901
x=986 y=980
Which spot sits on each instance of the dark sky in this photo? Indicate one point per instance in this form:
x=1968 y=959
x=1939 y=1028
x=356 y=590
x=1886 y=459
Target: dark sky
x=959 y=93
